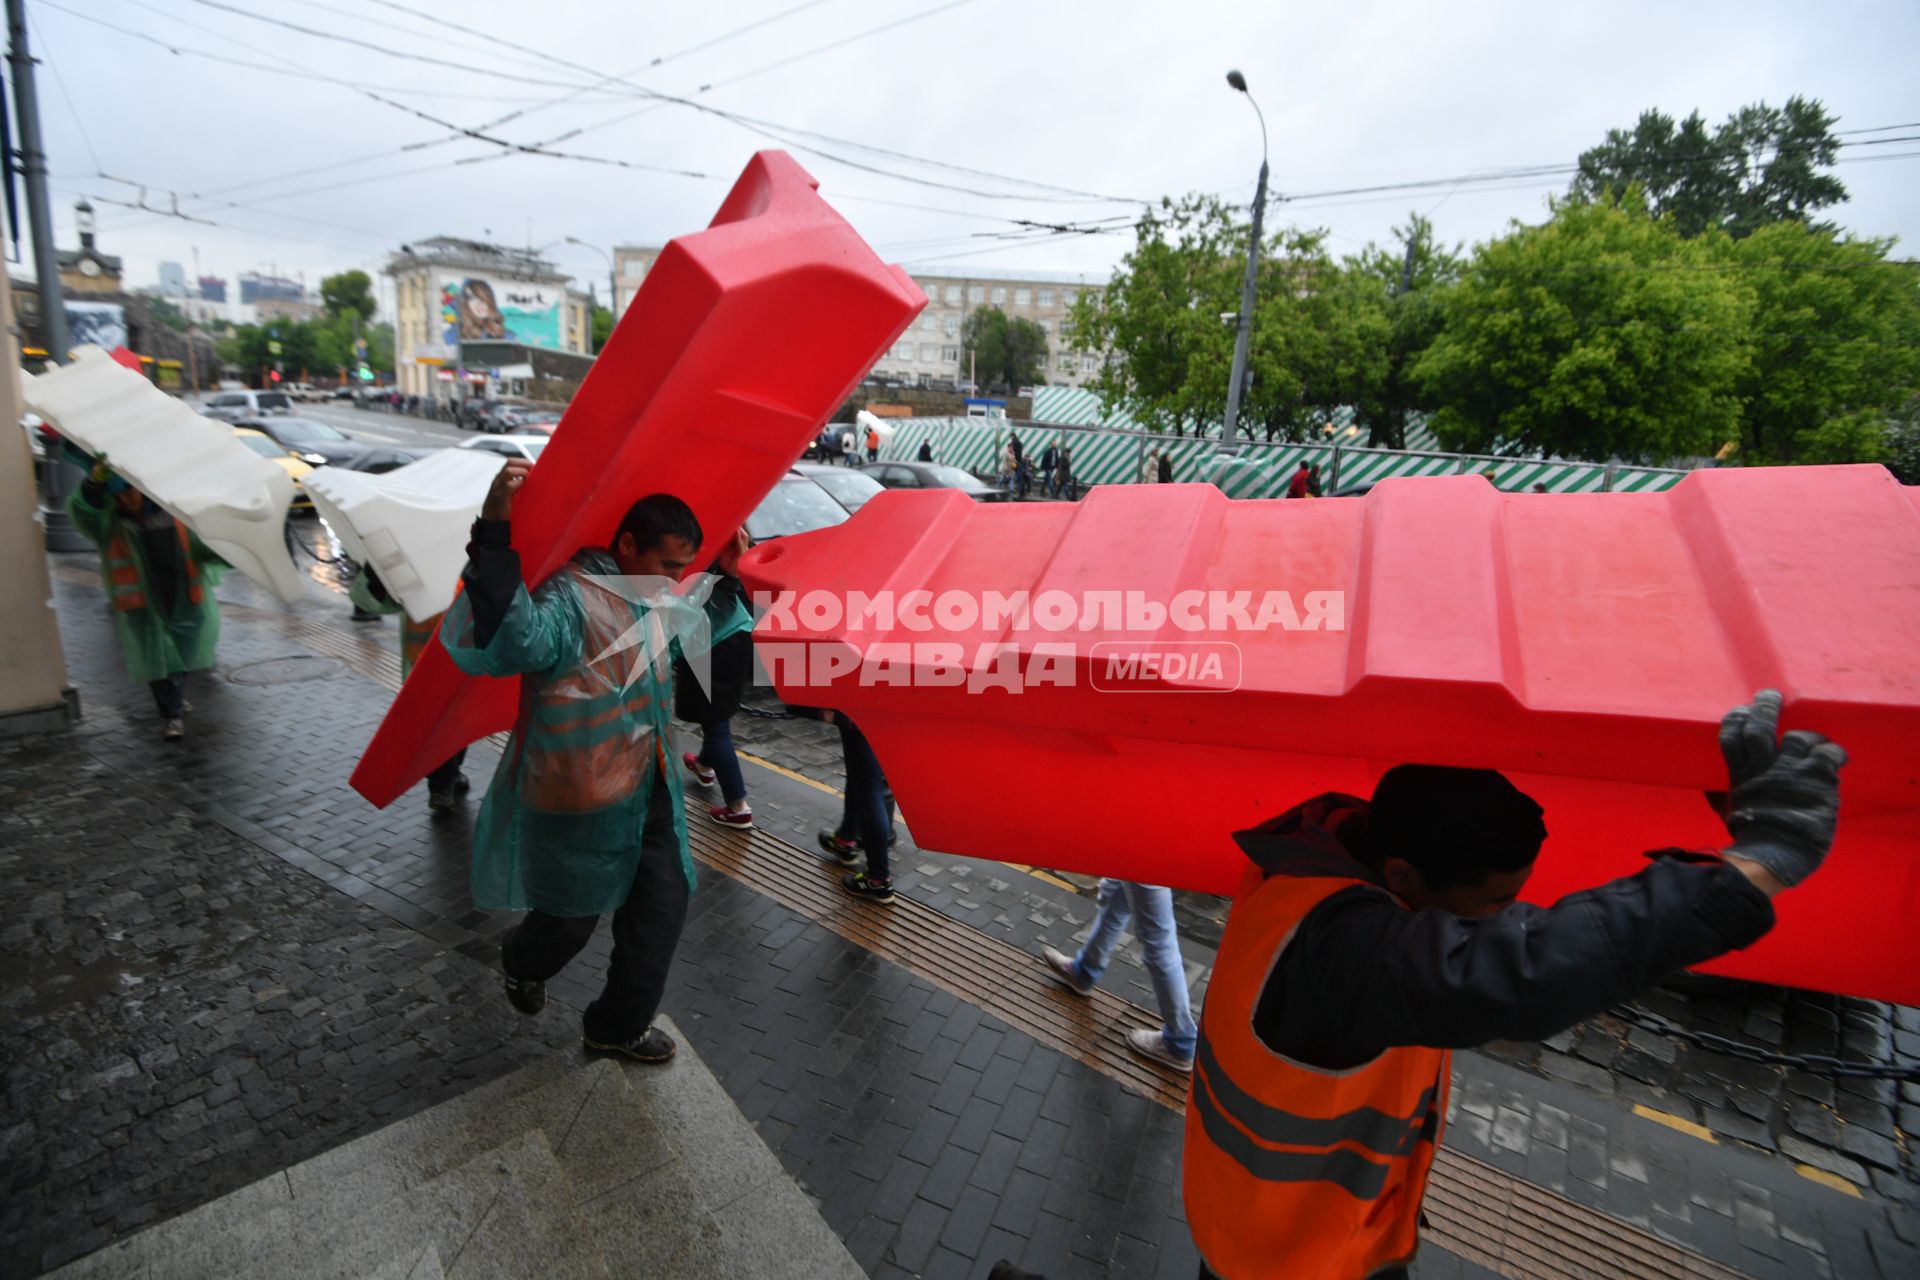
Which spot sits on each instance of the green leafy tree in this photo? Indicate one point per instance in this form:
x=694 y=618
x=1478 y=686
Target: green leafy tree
x=1902 y=444
x=164 y=312
x=1600 y=334
x=1318 y=340
x=1410 y=281
x=1836 y=344
x=1004 y=352
x=1760 y=166
x=348 y=291
x=602 y=327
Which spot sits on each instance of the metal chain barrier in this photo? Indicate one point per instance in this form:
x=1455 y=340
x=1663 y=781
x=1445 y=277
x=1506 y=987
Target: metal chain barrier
x=1812 y=1063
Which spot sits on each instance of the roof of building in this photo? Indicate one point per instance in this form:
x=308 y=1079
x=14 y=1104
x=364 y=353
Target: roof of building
x=67 y=259
x=1083 y=280
x=455 y=251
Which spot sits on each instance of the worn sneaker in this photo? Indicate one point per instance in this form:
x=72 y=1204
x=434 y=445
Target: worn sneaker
x=701 y=774
x=442 y=801
x=461 y=785
x=651 y=1046
x=861 y=885
x=1151 y=1044
x=528 y=995
x=742 y=819
x=1065 y=970
x=174 y=730
x=844 y=852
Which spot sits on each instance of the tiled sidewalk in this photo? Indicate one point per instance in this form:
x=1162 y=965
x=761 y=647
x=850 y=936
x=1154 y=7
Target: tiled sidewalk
x=935 y=1137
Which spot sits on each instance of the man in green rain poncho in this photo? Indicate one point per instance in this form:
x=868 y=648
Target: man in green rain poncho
x=583 y=816
x=159 y=579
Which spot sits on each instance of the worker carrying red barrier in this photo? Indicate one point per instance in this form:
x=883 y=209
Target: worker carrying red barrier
x=740 y=342
x=1173 y=666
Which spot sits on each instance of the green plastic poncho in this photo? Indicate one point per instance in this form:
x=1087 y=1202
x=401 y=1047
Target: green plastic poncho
x=158 y=637
x=560 y=828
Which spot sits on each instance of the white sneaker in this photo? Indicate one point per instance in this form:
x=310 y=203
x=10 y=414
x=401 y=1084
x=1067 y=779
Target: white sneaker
x=1063 y=969
x=174 y=730
x=1151 y=1044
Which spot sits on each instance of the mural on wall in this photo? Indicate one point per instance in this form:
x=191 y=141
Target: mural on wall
x=485 y=309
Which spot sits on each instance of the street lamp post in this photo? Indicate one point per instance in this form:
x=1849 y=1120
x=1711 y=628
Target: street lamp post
x=1239 y=82
x=613 y=298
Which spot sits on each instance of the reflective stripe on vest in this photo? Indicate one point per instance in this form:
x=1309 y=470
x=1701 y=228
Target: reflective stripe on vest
x=123 y=570
x=1290 y=1169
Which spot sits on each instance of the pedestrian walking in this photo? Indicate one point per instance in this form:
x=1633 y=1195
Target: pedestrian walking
x=1009 y=465
x=583 y=816
x=1369 y=938
x=926 y=451
x=873 y=444
x=1166 y=466
x=1313 y=480
x=1022 y=476
x=866 y=817
x=1149 y=908
x=1065 y=473
x=448 y=781
x=729 y=672
x=1049 y=460
x=1150 y=467
x=1299 y=485
x=848 y=457
x=159 y=578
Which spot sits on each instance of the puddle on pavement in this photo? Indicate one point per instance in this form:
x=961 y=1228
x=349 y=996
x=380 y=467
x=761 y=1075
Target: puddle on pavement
x=58 y=982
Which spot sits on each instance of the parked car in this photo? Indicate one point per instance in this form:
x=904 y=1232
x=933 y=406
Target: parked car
x=381 y=458
x=235 y=406
x=527 y=447
x=517 y=419
x=304 y=391
x=342 y=392
x=846 y=486
x=795 y=505
x=314 y=442
x=933 y=475
x=296 y=468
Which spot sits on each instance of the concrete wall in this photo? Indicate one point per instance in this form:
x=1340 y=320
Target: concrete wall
x=33 y=673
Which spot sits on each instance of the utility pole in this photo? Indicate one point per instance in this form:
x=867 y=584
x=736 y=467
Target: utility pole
x=59 y=477
x=1245 y=324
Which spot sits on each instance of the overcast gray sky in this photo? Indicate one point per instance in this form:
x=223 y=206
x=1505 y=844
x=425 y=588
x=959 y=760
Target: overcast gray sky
x=1122 y=99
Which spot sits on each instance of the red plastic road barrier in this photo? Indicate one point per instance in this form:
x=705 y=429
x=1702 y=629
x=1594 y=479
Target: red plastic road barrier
x=742 y=340
x=1585 y=644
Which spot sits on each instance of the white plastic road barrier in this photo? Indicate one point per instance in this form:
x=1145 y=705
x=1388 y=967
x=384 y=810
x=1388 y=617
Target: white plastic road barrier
x=194 y=467
x=410 y=523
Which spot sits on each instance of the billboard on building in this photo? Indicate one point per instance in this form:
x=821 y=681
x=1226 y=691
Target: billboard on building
x=104 y=324
x=488 y=309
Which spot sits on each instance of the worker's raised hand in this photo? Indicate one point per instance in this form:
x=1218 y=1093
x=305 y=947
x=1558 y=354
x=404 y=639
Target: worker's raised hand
x=729 y=558
x=499 y=503
x=1783 y=794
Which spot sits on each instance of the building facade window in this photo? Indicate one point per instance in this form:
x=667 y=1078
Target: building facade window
x=977 y=293
x=1068 y=297
x=953 y=295
x=903 y=350
x=1066 y=364
x=1046 y=297
x=999 y=296
x=1089 y=363
x=926 y=353
x=950 y=324
x=949 y=355
x=1046 y=327
x=929 y=321
x=1022 y=297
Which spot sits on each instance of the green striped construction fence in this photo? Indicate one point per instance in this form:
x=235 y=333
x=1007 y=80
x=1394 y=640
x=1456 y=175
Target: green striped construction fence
x=1107 y=455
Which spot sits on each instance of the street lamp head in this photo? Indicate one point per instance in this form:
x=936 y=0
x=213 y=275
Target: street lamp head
x=1237 y=80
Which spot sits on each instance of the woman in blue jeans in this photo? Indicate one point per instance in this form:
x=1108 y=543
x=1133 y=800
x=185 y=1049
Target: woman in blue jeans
x=1149 y=907
x=866 y=817
x=730 y=671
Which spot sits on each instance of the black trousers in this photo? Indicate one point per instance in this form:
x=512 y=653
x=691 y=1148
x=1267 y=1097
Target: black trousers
x=442 y=777
x=169 y=695
x=646 y=930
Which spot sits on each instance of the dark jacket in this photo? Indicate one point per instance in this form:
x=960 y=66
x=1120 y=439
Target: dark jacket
x=1364 y=973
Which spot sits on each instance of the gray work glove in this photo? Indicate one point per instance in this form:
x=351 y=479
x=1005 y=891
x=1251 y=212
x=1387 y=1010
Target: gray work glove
x=1783 y=794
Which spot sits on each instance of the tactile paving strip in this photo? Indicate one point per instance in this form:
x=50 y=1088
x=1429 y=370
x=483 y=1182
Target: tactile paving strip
x=1472 y=1209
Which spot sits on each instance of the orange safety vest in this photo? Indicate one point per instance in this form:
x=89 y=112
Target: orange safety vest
x=1290 y=1169
x=414 y=637
x=589 y=743
x=123 y=570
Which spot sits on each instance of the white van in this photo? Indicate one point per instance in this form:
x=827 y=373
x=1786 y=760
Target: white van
x=233 y=406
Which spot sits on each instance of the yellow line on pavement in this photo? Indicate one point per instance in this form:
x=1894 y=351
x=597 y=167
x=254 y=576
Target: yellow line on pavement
x=1687 y=1127
x=1826 y=1179
x=785 y=772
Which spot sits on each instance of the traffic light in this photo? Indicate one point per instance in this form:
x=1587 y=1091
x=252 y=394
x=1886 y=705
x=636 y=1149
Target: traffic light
x=273 y=375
